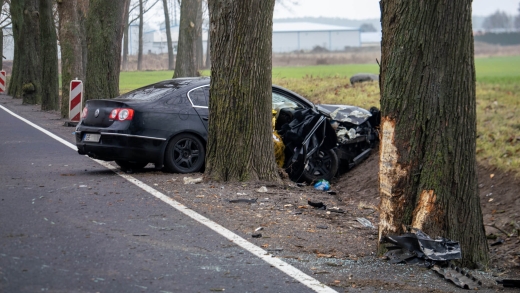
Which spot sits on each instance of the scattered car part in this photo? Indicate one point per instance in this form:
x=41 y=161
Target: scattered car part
x=243 y=200
x=459 y=277
x=189 y=180
x=256 y=235
x=365 y=222
x=316 y=204
x=419 y=243
x=509 y=283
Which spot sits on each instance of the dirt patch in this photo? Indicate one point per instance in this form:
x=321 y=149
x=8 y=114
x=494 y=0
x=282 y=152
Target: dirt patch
x=332 y=245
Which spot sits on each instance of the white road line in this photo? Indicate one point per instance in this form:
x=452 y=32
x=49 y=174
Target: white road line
x=255 y=250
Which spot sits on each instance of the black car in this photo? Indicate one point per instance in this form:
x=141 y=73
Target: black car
x=166 y=123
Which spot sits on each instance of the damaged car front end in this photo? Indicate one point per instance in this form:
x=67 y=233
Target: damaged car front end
x=325 y=139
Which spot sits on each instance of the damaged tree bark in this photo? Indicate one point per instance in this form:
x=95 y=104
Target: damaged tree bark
x=240 y=144
x=427 y=169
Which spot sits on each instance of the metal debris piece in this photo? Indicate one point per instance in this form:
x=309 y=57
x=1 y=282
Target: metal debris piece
x=259 y=228
x=458 y=276
x=365 y=222
x=336 y=210
x=243 y=200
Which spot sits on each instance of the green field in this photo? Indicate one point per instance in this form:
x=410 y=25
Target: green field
x=498 y=99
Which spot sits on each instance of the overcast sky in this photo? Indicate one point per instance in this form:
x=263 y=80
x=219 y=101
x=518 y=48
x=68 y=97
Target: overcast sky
x=362 y=9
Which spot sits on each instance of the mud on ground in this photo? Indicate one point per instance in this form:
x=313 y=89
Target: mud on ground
x=332 y=247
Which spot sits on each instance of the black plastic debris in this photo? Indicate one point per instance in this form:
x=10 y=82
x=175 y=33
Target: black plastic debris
x=509 y=283
x=425 y=248
x=317 y=204
x=256 y=235
x=458 y=276
x=243 y=200
x=498 y=242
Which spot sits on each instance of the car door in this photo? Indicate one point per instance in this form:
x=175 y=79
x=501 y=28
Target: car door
x=199 y=98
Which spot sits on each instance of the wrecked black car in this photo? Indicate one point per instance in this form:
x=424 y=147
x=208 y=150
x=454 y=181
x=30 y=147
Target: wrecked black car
x=166 y=124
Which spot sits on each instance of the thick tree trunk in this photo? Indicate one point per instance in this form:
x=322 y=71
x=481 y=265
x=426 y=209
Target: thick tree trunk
x=186 y=63
x=427 y=170
x=240 y=144
x=25 y=79
x=104 y=36
x=71 y=29
x=49 y=57
x=140 y=49
x=168 y=34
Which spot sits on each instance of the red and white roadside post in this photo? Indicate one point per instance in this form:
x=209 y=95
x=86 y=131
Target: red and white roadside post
x=75 y=100
x=2 y=81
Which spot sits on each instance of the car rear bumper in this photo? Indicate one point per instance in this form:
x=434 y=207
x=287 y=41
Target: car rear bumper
x=116 y=146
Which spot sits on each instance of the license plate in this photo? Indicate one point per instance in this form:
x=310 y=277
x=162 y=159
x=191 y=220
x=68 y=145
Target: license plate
x=92 y=137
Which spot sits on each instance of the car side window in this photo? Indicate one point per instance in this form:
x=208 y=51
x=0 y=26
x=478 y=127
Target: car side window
x=280 y=102
x=200 y=96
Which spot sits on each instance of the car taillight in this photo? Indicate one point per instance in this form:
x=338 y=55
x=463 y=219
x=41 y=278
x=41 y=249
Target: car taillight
x=121 y=114
x=84 y=113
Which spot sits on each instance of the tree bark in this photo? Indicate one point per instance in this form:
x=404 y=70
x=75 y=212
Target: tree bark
x=49 y=57
x=104 y=36
x=427 y=168
x=186 y=63
x=25 y=79
x=199 y=51
x=140 y=49
x=169 y=42
x=71 y=29
x=240 y=144
x=125 y=37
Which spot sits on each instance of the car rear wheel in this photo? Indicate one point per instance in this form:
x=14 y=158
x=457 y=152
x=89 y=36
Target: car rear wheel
x=321 y=165
x=131 y=165
x=185 y=154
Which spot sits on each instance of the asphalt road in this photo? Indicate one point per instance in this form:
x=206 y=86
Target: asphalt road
x=69 y=224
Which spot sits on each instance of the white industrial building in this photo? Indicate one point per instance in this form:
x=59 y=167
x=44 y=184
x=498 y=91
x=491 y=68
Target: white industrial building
x=305 y=36
x=287 y=37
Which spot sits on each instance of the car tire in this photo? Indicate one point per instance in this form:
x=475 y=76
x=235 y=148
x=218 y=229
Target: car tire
x=185 y=154
x=321 y=165
x=131 y=165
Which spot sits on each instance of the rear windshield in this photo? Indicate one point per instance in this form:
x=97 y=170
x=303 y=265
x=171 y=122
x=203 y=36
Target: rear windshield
x=155 y=91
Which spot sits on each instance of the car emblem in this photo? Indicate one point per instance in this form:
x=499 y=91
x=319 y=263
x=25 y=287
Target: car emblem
x=96 y=114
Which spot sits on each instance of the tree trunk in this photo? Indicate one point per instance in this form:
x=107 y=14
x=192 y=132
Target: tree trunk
x=1 y=47
x=25 y=79
x=125 y=37
x=427 y=168
x=140 y=49
x=168 y=34
x=208 y=52
x=240 y=144
x=199 y=51
x=186 y=63
x=104 y=36
x=71 y=29
x=49 y=57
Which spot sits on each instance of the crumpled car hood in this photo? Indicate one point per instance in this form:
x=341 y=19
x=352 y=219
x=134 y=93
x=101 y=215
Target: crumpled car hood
x=344 y=113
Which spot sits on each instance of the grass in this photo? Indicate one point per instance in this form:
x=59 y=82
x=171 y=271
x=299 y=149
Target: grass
x=498 y=99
